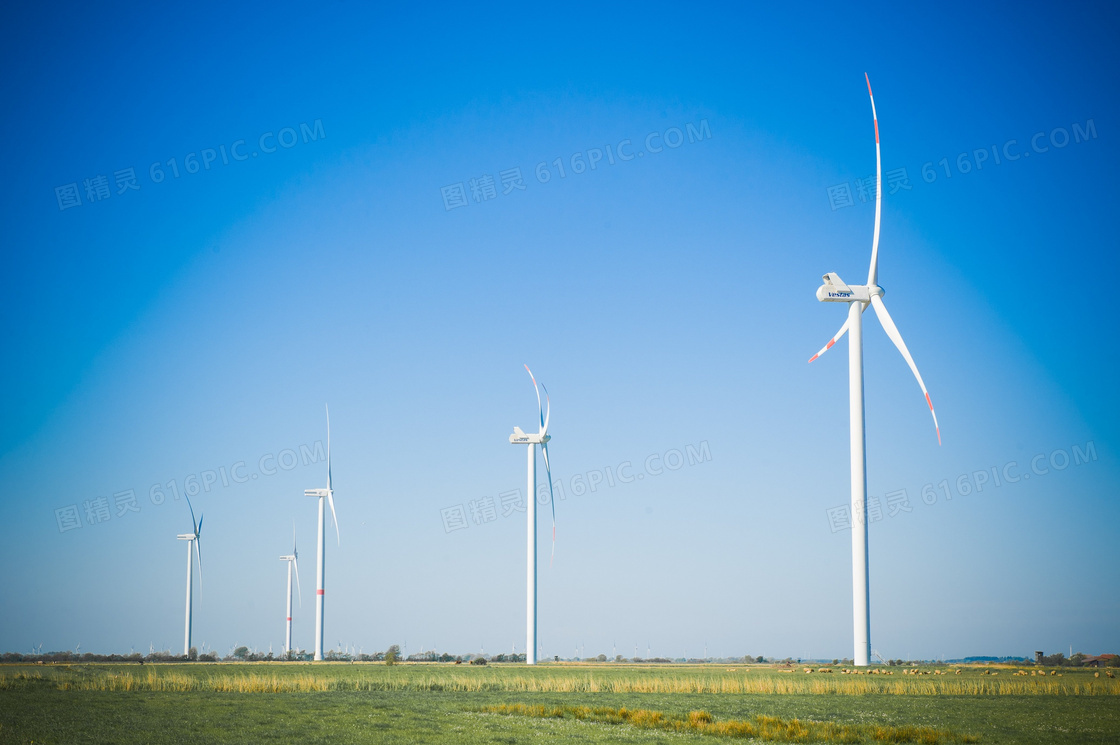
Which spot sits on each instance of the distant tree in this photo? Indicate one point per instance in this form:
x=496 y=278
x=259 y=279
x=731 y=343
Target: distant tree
x=192 y=654
x=241 y=653
x=836 y=662
x=601 y=658
x=758 y=659
x=393 y=655
x=618 y=658
x=478 y=661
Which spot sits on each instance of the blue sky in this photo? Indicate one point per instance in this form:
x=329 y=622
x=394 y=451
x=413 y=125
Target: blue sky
x=667 y=301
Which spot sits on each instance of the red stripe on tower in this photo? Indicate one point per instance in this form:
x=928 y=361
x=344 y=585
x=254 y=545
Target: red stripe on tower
x=319 y=592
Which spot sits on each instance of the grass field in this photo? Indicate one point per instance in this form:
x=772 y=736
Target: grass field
x=445 y=703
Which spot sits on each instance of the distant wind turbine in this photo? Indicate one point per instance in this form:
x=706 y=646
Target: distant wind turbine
x=192 y=540
x=858 y=297
x=328 y=495
x=541 y=438
x=293 y=563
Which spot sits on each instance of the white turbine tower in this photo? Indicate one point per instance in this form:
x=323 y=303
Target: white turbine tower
x=293 y=562
x=328 y=495
x=858 y=297
x=541 y=438
x=192 y=542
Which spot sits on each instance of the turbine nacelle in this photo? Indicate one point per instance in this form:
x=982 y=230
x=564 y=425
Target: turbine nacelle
x=317 y=493
x=521 y=438
x=186 y=537
x=834 y=290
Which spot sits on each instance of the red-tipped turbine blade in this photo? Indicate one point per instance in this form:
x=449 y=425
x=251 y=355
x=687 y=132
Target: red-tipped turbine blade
x=896 y=337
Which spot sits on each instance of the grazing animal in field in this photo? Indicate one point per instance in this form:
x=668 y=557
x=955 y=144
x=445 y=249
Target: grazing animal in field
x=1109 y=673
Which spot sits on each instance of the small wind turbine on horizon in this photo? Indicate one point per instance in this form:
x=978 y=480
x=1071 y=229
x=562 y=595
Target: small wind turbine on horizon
x=293 y=562
x=858 y=298
x=541 y=438
x=328 y=495
x=192 y=540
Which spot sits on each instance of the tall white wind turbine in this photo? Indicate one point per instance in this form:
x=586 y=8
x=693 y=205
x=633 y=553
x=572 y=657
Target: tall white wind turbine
x=541 y=438
x=192 y=540
x=858 y=297
x=328 y=495
x=293 y=563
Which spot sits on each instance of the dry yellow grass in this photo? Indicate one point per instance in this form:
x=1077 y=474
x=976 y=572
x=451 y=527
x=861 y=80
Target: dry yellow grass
x=770 y=729
x=278 y=679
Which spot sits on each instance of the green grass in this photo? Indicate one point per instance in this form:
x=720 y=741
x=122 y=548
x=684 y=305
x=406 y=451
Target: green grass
x=367 y=703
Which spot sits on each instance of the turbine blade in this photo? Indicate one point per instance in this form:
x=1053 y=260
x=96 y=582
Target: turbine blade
x=198 y=553
x=194 y=523
x=873 y=272
x=328 y=447
x=295 y=563
x=538 y=390
x=334 y=517
x=551 y=500
x=843 y=330
x=547 y=412
x=892 y=332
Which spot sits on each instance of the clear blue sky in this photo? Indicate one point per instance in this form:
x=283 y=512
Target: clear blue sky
x=666 y=301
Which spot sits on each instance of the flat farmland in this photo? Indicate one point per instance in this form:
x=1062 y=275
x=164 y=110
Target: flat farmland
x=447 y=703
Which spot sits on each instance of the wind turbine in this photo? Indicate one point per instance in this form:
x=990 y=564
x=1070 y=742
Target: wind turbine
x=322 y=494
x=293 y=561
x=541 y=438
x=858 y=297
x=192 y=541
